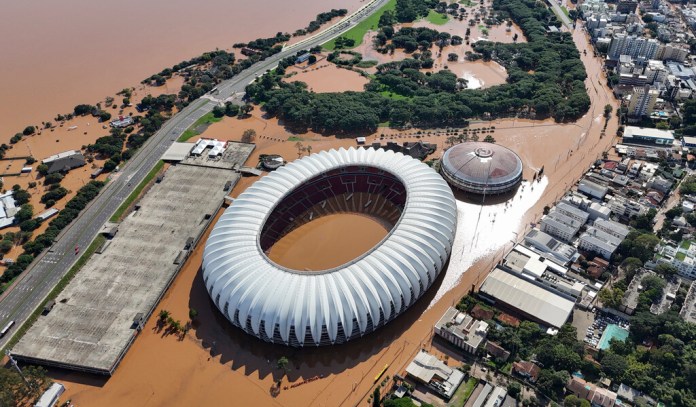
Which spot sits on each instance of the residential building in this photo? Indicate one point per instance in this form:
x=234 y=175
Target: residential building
x=635 y=47
x=600 y=242
x=435 y=374
x=615 y=229
x=545 y=244
x=672 y=52
x=597 y=396
x=64 y=162
x=626 y=6
x=560 y=226
x=526 y=369
x=598 y=211
x=496 y=351
x=8 y=209
x=682 y=257
x=461 y=329
x=528 y=264
x=642 y=101
x=121 y=122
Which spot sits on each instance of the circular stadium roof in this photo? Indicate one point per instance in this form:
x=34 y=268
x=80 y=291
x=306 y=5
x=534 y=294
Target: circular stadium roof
x=474 y=166
x=299 y=308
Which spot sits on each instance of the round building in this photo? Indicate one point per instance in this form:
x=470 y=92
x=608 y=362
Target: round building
x=322 y=307
x=481 y=168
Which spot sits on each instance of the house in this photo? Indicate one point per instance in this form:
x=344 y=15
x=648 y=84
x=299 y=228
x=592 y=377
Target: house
x=435 y=374
x=640 y=135
x=597 y=396
x=64 y=162
x=121 y=122
x=526 y=369
x=496 y=351
x=461 y=329
x=481 y=313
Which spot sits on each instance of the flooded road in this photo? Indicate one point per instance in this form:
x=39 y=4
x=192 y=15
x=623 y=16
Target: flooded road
x=58 y=54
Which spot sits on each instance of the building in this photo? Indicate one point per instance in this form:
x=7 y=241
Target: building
x=626 y=208
x=64 y=162
x=319 y=307
x=688 y=311
x=626 y=6
x=431 y=371
x=50 y=397
x=597 y=396
x=642 y=101
x=598 y=211
x=497 y=396
x=683 y=257
x=672 y=52
x=563 y=221
x=216 y=147
x=592 y=189
x=8 y=209
x=641 y=135
x=635 y=47
x=496 y=351
x=600 y=242
x=530 y=265
x=546 y=244
x=461 y=330
x=481 y=168
x=527 y=298
x=121 y=122
x=526 y=369
x=615 y=229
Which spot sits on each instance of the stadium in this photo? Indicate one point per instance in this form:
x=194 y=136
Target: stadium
x=482 y=168
x=323 y=307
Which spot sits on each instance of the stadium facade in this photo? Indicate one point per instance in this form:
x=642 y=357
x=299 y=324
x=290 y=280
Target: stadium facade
x=312 y=308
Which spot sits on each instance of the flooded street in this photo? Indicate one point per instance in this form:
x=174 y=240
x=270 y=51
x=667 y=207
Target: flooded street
x=327 y=242
x=62 y=53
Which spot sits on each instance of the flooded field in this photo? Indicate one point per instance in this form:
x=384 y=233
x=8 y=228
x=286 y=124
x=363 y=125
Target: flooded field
x=215 y=360
x=328 y=242
x=327 y=77
x=78 y=51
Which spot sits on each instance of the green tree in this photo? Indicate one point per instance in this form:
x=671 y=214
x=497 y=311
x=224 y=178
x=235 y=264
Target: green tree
x=29 y=130
x=248 y=136
x=283 y=364
x=514 y=390
x=42 y=169
x=614 y=365
x=192 y=314
x=376 y=398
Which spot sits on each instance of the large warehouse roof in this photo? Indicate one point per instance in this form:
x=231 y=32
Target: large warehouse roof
x=296 y=308
x=527 y=297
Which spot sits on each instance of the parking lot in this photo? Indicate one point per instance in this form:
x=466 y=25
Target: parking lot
x=594 y=332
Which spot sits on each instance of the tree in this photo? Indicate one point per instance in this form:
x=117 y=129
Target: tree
x=489 y=139
x=192 y=314
x=248 y=136
x=614 y=365
x=245 y=109
x=666 y=269
x=611 y=297
x=42 y=169
x=607 y=111
x=514 y=390
x=29 y=130
x=164 y=315
x=283 y=364
x=218 y=111
x=376 y=398
x=452 y=57
x=300 y=148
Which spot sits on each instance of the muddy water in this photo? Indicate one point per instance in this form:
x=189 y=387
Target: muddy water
x=327 y=77
x=327 y=242
x=61 y=53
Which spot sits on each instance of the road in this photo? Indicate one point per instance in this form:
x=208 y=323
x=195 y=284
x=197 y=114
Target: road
x=556 y=7
x=29 y=291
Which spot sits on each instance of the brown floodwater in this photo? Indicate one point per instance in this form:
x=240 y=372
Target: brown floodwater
x=57 y=54
x=328 y=242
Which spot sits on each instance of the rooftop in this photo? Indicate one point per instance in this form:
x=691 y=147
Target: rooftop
x=463 y=326
x=482 y=162
x=430 y=370
x=528 y=297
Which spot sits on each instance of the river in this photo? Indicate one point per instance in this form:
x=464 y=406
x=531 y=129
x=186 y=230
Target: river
x=56 y=54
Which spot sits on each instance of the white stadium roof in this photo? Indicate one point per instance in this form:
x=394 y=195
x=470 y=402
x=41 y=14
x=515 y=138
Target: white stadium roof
x=300 y=308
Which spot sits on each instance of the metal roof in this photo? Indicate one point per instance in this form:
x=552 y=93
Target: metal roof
x=290 y=306
x=528 y=297
x=482 y=163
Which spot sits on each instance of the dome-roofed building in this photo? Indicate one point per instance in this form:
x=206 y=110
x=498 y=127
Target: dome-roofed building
x=311 y=308
x=481 y=168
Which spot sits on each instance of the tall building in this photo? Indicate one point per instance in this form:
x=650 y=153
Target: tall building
x=642 y=101
x=626 y=6
x=672 y=52
x=635 y=47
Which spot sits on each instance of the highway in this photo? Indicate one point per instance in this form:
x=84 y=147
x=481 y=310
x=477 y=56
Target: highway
x=33 y=286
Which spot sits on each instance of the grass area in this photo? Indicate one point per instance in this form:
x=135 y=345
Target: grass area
x=467 y=3
x=134 y=195
x=680 y=256
x=192 y=131
x=686 y=244
x=295 y=138
x=565 y=11
x=96 y=243
x=383 y=124
x=465 y=390
x=358 y=31
x=392 y=95
x=437 y=18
